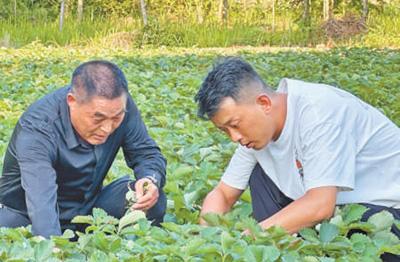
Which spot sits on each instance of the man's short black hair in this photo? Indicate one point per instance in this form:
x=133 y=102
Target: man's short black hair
x=99 y=78
x=226 y=79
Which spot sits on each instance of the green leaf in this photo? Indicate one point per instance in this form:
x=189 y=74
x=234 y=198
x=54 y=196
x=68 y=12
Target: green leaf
x=191 y=197
x=295 y=244
x=326 y=259
x=328 y=232
x=226 y=241
x=337 y=246
x=68 y=234
x=171 y=226
x=309 y=234
x=83 y=220
x=360 y=242
x=192 y=246
x=353 y=212
x=13 y=234
x=130 y=218
x=382 y=220
x=390 y=249
x=100 y=241
x=246 y=196
x=290 y=257
x=261 y=253
x=310 y=259
x=397 y=223
x=270 y=253
x=91 y=228
x=385 y=238
x=43 y=250
x=97 y=256
x=115 y=245
x=183 y=170
x=363 y=226
x=210 y=232
x=100 y=216
x=253 y=254
x=251 y=225
x=212 y=219
x=131 y=196
x=209 y=249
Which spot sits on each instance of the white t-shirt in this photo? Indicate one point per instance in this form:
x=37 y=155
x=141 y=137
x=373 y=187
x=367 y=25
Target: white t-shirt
x=339 y=141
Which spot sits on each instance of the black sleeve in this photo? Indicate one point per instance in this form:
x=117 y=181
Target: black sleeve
x=35 y=151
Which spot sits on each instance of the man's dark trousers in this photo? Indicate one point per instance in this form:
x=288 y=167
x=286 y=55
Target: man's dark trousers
x=267 y=200
x=111 y=199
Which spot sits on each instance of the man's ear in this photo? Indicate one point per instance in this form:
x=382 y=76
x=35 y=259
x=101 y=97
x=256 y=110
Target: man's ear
x=265 y=102
x=71 y=99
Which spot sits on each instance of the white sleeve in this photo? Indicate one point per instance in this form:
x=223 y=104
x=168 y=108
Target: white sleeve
x=328 y=157
x=240 y=167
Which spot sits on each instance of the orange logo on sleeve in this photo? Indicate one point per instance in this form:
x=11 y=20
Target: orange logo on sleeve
x=299 y=167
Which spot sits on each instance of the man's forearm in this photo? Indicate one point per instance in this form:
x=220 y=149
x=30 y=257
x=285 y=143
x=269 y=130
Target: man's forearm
x=215 y=202
x=304 y=212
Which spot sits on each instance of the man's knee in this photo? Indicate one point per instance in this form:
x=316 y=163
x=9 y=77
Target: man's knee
x=112 y=197
x=11 y=218
x=267 y=199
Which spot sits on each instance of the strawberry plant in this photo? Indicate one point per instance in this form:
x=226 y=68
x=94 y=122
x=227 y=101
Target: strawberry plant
x=163 y=83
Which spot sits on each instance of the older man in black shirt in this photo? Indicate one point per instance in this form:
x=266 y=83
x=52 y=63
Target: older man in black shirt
x=63 y=146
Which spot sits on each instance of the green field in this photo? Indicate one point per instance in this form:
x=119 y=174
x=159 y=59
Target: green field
x=163 y=83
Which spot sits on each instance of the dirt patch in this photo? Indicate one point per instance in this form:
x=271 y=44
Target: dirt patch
x=345 y=27
x=120 y=40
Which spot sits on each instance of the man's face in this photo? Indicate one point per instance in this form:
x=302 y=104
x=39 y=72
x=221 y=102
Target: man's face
x=96 y=119
x=248 y=123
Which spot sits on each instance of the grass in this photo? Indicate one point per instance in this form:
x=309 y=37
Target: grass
x=177 y=34
x=384 y=31
x=215 y=35
x=24 y=31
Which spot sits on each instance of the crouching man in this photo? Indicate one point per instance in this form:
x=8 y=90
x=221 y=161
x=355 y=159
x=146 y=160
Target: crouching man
x=303 y=149
x=63 y=146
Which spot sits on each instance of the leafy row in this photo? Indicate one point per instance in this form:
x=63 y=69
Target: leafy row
x=108 y=239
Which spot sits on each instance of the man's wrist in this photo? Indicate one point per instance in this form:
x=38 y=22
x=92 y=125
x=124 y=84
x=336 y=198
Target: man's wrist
x=153 y=179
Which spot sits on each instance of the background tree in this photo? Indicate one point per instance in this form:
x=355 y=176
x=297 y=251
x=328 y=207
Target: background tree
x=144 y=12
x=15 y=9
x=62 y=13
x=223 y=11
x=80 y=10
x=203 y=8
x=364 y=14
x=273 y=15
x=326 y=9
x=306 y=12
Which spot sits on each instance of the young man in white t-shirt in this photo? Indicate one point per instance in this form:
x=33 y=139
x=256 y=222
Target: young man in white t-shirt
x=304 y=148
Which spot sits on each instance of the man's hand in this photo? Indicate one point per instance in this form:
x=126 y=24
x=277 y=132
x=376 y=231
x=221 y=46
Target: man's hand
x=219 y=200
x=316 y=205
x=146 y=194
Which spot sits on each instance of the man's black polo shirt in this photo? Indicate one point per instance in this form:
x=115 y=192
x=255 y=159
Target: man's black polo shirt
x=50 y=174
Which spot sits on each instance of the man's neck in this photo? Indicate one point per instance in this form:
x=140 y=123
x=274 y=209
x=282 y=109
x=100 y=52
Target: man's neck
x=280 y=104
